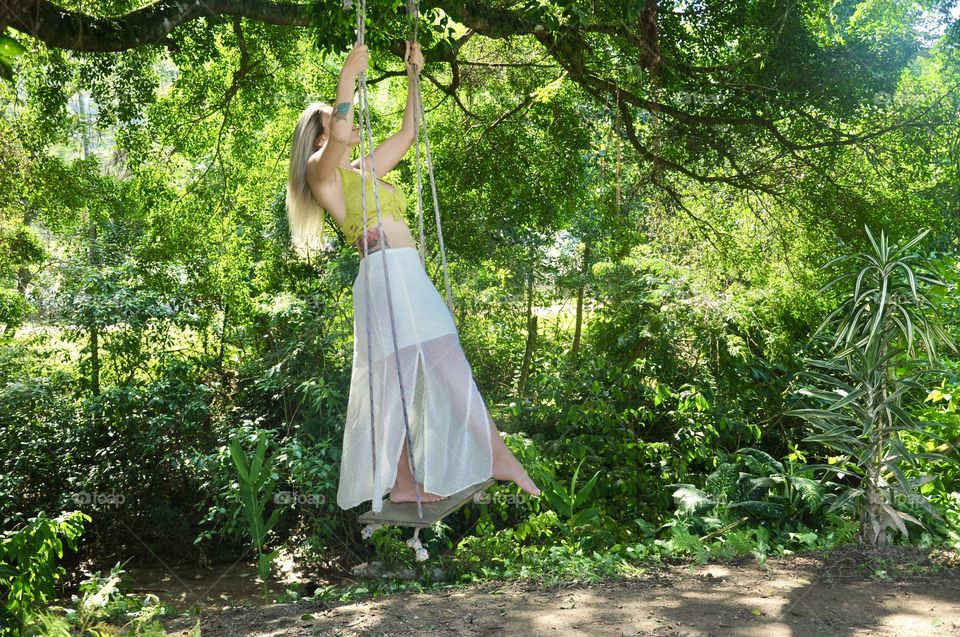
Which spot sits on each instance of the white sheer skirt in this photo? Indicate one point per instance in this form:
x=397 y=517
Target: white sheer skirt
x=450 y=427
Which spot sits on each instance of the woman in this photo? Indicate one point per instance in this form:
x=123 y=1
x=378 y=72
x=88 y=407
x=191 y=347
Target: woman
x=455 y=442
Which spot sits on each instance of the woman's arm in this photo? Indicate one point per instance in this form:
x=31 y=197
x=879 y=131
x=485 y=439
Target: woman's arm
x=324 y=162
x=389 y=152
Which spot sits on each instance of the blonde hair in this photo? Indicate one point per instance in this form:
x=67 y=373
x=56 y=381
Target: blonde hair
x=305 y=216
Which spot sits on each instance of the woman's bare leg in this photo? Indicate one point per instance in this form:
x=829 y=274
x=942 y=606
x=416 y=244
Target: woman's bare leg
x=403 y=490
x=506 y=466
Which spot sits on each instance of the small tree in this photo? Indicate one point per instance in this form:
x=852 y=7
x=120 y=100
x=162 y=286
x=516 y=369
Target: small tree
x=874 y=365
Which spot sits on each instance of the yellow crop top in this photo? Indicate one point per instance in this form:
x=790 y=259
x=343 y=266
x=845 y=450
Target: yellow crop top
x=392 y=204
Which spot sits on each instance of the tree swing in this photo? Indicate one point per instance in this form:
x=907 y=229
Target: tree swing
x=401 y=514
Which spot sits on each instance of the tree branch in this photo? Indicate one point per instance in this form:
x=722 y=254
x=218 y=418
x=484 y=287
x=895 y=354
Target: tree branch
x=77 y=31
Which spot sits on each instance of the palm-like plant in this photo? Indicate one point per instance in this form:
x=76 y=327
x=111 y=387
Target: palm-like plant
x=874 y=365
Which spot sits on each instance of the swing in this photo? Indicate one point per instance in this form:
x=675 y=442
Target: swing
x=402 y=514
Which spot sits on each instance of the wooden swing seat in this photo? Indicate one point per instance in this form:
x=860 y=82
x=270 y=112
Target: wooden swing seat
x=405 y=513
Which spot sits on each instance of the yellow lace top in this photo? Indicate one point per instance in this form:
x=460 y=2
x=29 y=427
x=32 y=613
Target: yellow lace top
x=392 y=204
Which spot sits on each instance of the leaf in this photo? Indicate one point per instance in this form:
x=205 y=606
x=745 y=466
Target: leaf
x=263 y=564
x=10 y=48
x=811 y=491
x=820 y=413
x=893 y=516
x=760 y=462
x=752 y=488
x=556 y=495
x=545 y=93
x=257 y=463
x=584 y=493
x=692 y=500
x=759 y=508
x=850 y=494
x=723 y=481
x=584 y=517
x=239 y=461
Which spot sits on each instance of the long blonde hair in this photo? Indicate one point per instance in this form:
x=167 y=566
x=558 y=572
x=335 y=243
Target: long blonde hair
x=304 y=214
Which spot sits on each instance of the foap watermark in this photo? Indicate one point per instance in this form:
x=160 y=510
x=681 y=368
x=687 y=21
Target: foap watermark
x=509 y=499
x=300 y=499
x=103 y=499
x=882 y=98
x=692 y=98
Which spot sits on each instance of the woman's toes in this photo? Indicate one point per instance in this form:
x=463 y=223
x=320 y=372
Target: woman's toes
x=528 y=485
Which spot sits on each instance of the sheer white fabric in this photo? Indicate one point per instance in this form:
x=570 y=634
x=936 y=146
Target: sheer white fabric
x=449 y=422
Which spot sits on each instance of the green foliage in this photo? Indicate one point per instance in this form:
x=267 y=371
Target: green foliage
x=750 y=486
x=90 y=618
x=28 y=567
x=874 y=366
x=571 y=503
x=257 y=479
x=9 y=50
x=391 y=548
x=104 y=608
x=696 y=266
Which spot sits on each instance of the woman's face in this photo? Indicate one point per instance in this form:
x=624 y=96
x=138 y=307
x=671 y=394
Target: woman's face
x=325 y=135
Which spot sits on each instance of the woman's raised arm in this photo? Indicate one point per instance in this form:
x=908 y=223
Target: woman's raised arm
x=324 y=162
x=389 y=153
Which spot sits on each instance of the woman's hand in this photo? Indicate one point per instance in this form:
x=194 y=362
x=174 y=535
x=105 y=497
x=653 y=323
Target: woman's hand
x=414 y=56
x=355 y=63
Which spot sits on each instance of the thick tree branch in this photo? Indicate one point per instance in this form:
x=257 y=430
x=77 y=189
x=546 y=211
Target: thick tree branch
x=76 y=31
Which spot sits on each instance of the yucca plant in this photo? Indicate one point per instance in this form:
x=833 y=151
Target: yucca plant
x=872 y=368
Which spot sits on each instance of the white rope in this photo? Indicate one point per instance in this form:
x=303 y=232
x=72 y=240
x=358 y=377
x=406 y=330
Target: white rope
x=367 y=133
x=413 y=10
x=366 y=123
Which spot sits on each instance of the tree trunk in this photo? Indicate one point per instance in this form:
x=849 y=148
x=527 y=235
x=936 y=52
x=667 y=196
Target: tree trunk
x=528 y=354
x=93 y=261
x=94 y=327
x=24 y=275
x=531 y=336
x=584 y=268
x=873 y=516
x=223 y=339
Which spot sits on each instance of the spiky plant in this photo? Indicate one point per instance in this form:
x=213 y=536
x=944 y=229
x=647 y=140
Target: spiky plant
x=873 y=366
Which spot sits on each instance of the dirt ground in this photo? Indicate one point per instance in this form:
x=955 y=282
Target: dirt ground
x=917 y=593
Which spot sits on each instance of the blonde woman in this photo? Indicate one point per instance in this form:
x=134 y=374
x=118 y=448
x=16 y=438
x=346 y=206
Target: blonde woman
x=454 y=441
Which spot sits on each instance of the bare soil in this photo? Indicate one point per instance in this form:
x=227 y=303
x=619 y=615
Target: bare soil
x=848 y=592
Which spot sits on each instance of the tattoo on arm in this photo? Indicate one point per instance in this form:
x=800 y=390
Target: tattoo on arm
x=341 y=110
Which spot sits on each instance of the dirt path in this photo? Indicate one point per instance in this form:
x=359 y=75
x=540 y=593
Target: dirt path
x=795 y=597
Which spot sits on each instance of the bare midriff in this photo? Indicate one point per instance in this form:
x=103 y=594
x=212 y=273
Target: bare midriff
x=397 y=234
x=393 y=203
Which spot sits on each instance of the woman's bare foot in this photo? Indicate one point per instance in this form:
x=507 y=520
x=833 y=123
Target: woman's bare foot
x=403 y=489
x=507 y=467
x=406 y=493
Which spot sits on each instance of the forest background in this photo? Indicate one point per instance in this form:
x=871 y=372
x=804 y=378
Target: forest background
x=641 y=204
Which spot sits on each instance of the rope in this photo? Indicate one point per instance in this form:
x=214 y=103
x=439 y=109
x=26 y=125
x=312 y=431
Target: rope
x=413 y=12
x=366 y=300
x=365 y=117
x=413 y=9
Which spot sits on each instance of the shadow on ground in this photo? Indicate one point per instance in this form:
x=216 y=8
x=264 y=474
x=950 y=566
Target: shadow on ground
x=791 y=597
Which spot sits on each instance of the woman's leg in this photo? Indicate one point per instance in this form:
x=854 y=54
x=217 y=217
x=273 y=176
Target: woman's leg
x=458 y=382
x=506 y=466
x=403 y=490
